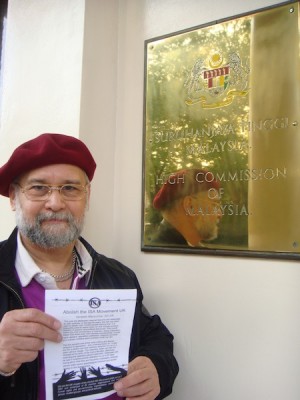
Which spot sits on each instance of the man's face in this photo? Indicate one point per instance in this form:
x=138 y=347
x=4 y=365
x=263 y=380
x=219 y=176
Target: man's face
x=207 y=214
x=54 y=222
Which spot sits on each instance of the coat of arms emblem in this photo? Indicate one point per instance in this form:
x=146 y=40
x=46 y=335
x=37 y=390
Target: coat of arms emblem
x=215 y=82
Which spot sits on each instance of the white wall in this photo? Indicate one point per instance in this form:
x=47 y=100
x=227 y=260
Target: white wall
x=236 y=321
x=41 y=76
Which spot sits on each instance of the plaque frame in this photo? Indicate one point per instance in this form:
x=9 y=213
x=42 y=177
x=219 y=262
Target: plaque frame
x=206 y=93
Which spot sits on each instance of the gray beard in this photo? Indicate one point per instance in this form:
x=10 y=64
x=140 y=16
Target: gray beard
x=53 y=236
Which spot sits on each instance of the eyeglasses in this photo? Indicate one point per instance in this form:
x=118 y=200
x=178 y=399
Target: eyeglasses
x=43 y=192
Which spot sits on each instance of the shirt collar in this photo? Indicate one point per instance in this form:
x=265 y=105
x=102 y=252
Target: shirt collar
x=28 y=270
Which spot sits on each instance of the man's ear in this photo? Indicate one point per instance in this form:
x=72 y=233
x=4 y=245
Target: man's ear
x=12 y=197
x=188 y=205
x=88 y=198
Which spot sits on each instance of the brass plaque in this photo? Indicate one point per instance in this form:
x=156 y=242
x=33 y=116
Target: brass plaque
x=221 y=157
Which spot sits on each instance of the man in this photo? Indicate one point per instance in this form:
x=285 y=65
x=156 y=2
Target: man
x=189 y=202
x=47 y=180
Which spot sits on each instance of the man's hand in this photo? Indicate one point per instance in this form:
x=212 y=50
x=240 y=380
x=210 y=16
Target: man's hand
x=141 y=382
x=22 y=335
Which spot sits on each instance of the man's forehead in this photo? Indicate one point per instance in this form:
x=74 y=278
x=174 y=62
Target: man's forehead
x=60 y=172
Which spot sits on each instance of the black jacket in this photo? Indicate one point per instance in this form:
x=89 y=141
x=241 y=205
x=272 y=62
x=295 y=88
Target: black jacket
x=149 y=336
x=166 y=235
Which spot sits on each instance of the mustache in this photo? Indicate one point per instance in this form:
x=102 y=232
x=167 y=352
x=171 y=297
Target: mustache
x=53 y=215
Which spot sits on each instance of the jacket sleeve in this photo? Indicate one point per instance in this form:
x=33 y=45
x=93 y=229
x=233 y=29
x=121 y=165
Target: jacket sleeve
x=156 y=342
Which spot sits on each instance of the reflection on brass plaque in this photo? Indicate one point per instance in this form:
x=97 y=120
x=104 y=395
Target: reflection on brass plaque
x=221 y=171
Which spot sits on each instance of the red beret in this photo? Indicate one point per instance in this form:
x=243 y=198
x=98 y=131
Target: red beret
x=183 y=183
x=46 y=149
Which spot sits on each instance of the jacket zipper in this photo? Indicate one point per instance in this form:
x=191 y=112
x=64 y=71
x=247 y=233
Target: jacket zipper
x=13 y=379
x=14 y=292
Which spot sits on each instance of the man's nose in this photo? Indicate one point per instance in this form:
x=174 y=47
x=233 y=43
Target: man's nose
x=55 y=199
